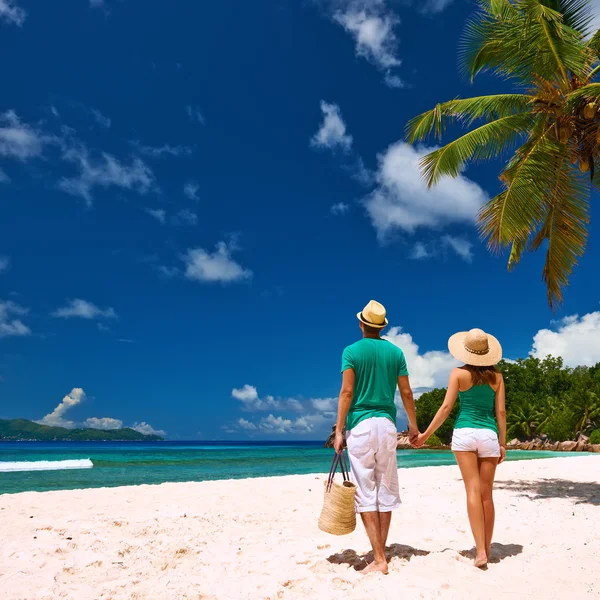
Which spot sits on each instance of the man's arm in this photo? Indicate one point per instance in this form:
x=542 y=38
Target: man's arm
x=345 y=400
x=408 y=401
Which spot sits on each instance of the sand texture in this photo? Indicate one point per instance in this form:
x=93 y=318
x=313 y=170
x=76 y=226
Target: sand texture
x=258 y=538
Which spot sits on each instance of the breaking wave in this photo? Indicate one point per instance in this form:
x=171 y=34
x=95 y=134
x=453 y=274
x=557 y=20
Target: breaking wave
x=46 y=465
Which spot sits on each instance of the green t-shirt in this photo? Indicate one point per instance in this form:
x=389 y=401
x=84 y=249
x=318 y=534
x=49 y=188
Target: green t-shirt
x=377 y=365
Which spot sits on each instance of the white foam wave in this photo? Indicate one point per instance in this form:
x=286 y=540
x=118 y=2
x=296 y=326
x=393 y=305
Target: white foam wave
x=46 y=465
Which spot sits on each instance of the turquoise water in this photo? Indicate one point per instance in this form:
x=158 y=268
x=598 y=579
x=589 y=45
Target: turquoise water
x=116 y=464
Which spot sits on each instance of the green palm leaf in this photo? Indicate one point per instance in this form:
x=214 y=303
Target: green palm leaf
x=466 y=110
x=514 y=214
x=485 y=142
x=564 y=227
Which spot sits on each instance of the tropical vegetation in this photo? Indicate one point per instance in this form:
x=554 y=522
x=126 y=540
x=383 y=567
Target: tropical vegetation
x=23 y=430
x=548 y=126
x=543 y=398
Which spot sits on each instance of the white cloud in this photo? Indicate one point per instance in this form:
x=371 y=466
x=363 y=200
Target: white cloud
x=4 y=178
x=158 y=151
x=159 y=214
x=429 y=370
x=96 y=3
x=4 y=263
x=195 y=114
x=341 y=208
x=185 y=217
x=461 y=246
x=101 y=119
x=371 y=23
x=247 y=425
x=146 y=429
x=12 y=13
x=56 y=417
x=308 y=421
x=311 y=423
x=420 y=252
x=17 y=139
x=577 y=340
x=75 y=397
x=324 y=404
x=252 y=402
x=104 y=423
x=10 y=326
x=402 y=200
x=332 y=133
x=83 y=309
x=201 y=265
x=190 y=190
x=105 y=171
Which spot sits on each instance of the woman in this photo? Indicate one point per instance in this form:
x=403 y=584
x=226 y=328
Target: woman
x=479 y=439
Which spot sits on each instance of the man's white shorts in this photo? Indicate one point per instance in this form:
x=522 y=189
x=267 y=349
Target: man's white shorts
x=483 y=441
x=374 y=470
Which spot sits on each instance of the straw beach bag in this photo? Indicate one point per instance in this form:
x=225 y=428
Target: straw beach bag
x=338 y=516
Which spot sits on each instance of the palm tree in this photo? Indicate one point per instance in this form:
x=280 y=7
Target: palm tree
x=524 y=419
x=553 y=120
x=586 y=405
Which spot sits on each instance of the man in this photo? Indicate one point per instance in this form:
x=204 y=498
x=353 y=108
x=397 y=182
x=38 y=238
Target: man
x=371 y=370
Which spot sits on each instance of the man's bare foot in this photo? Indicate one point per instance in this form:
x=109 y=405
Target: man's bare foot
x=376 y=567
x=481 y=561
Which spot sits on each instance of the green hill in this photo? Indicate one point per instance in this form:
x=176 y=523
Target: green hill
x=23 y=430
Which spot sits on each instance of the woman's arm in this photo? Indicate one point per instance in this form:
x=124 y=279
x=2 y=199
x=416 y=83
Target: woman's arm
x=501 y=418
x=444 y=410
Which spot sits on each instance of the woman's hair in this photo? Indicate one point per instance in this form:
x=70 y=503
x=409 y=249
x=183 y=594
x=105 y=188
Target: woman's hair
x=481 y=375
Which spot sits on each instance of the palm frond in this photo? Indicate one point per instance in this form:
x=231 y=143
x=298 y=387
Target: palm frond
x=564 y=226
x=533 y=37
x=467 y=111
x=484 y=142
x=514 y=214
x=587 y=93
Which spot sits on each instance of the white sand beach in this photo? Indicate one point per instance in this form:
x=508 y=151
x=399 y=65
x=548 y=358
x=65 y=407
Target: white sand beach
x=258 y=538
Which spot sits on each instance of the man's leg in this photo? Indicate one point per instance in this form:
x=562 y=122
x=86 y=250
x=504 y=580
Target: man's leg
x=372 y=525
x=385 y=518
x=386 y=477
x=362 y=472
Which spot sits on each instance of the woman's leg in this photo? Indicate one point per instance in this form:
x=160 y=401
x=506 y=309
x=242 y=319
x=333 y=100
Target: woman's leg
x=487 y=471
x=469 y=468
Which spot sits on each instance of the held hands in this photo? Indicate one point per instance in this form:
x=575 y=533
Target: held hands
x=420 y=441
x=413 y=436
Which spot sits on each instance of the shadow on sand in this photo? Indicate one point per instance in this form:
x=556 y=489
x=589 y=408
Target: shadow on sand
x=499 y=552
x=360 y=561
x=582 y=493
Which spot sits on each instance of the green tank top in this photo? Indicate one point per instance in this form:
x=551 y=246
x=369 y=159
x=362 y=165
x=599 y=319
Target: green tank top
x=477 y=408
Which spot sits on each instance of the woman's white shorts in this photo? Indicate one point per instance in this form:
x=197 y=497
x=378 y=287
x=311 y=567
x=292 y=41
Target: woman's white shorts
x=373 y=466
x=483 y=441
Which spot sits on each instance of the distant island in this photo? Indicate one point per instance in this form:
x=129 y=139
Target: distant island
x=21 y=430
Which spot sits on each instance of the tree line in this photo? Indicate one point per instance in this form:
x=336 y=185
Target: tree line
x=543 y=398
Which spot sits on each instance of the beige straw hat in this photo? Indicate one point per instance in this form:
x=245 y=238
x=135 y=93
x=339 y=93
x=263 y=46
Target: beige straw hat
x=475 y=347
x=373 y=315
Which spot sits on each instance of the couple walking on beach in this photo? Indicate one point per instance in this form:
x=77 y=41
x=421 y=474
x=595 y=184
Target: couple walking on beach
x=372 y=369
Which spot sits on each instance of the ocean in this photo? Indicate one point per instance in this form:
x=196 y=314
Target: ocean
x=110 y=464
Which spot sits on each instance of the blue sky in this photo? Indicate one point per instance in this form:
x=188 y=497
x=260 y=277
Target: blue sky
x=197 y=198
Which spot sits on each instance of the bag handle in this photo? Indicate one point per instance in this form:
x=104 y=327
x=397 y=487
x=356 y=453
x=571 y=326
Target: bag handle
x=339 y=459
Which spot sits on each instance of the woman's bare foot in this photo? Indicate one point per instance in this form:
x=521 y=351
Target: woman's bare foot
x=481 y=561
x=376 y=567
